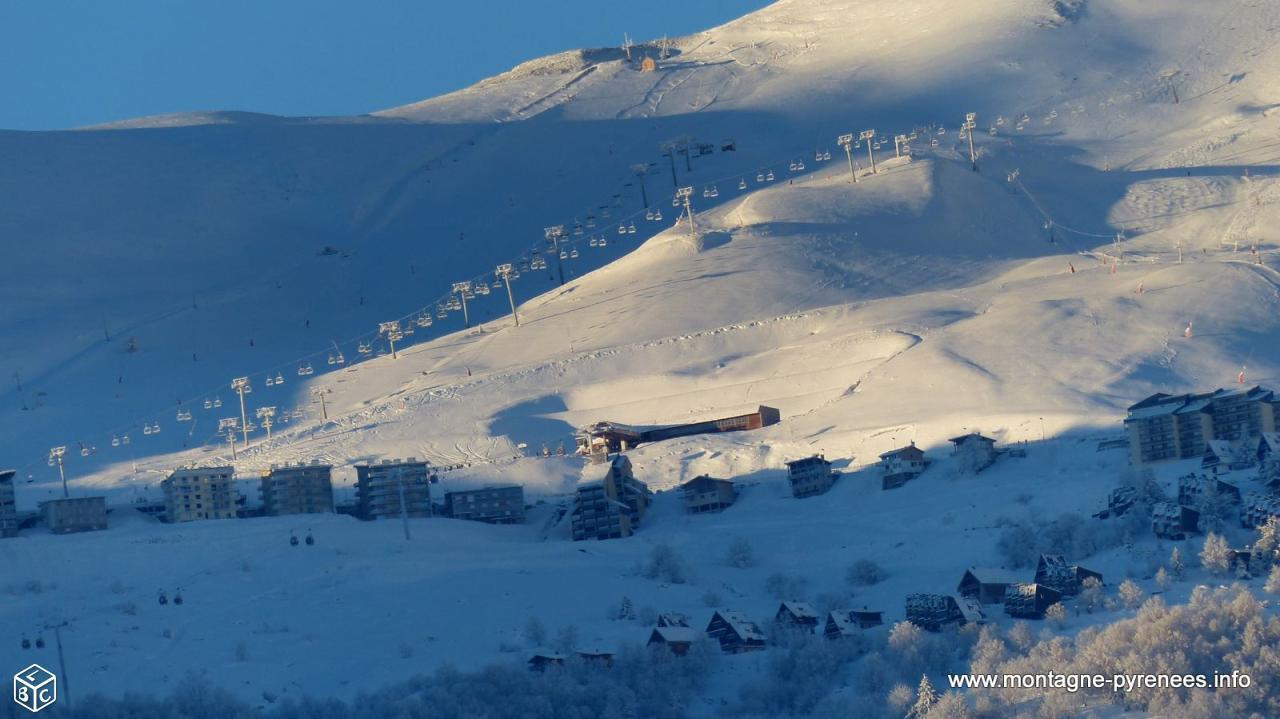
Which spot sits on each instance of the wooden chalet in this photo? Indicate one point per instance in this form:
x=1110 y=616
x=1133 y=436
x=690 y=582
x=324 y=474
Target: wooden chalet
x=672 y=619
x=677 y=639
x=841 y=623
x=797 y=614
x=1119 y=501
x=1222 y=455
x=935 y=612
x=1267 y=447
x=545 y=658
x=1053 y=571
x=1174 y=521
x=1195 y=490
x=1029 y=601
x=810 y=476
x=1258 y=509
x=595 y=656
x=985 y=584
x=735 y=632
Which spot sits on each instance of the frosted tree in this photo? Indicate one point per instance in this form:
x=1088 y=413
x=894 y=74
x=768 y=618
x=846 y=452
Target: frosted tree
x=1215 y=555
x=665 y=565
x=899 y=699
x=1273 y=581
x=1163 y=580
x=1176 y=565
x=1131 y=594
x=926 y=699
x=1268 y=542
x=1090 y=597
x=950 y=706
x=1056 y=614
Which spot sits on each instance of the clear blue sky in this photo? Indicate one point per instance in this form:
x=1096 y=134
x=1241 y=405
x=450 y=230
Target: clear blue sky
x=68 y=63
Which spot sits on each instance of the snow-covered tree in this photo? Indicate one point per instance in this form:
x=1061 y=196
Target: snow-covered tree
x=1056 y=614
x=665 y=565
x=1176 y=564
x=1273 y=581
x=865 y=572
x=951 y=705
x=926 y=699
x=1215 y=555
x=1131 y=595
x=1163 y=580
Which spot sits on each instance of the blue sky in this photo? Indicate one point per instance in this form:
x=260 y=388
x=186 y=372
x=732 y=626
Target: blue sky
x=68 y=63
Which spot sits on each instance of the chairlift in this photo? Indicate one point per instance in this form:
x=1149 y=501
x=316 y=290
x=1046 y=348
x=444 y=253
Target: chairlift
x=631 y=230
x=577 y=229
x=441 y=312
x=364 y=348
x=792 y=166
x=648 y=215
x=124 y=439
x=759 y=177
x=302 y=371
x=675 y=201
x=208 y=404
x=1000 y=121
x=564 y=254
x=483 y=288
x=593 y=241
x=604 y=242
x=657 y=215
x=84 y=451
x=991 y=131
x=306 y=369
x=271 y=381
x=424 y=320
x=591 y=221
x=769 y=176
x=1053 y=114
x=155 y=428
x=711 y=191
x=573 y=254
x=800 y=165
x=1018 y=127
x=217 y=402
x=817 y=156
x=146 y=428
x=524 y=267
x=826 y=154
x=742 y=184
x=933 y=142
x=605 y=213
x=942 y=130
x=622 y=229
x=115 y=441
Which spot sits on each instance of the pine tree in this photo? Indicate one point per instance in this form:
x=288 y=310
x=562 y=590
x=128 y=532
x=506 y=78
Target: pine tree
x=926 y=698
x=1163 y=580
x=627 y=610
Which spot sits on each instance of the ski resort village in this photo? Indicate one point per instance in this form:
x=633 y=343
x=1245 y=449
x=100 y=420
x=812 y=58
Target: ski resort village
x=851 y=358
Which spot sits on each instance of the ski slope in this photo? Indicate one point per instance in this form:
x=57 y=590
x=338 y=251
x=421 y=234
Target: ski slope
x=921 y=302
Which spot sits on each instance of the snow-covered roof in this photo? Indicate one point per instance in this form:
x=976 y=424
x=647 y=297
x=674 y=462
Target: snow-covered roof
x=743 y=627
x=899 y=451
x=843 y=621
x=800 y=610
x=676 y=634
x=1220 y=448
x=966 y=438
x=988 y=575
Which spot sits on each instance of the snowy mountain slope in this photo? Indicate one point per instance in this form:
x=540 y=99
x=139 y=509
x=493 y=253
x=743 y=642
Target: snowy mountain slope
x=921 y=302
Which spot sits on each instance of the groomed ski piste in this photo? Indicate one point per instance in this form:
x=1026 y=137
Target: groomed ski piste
x=154 y=260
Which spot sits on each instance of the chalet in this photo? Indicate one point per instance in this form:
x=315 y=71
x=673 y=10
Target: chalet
x=1166 y=427
x=986 y=585
x=707 y=494
x=934 y=612
x=677 y=639
x=672 y=619
x=1221 y=455
x=1119 y=501
x=735 y=632
x=1257 y=509
x=841 y=624
x=545 y=658
x=899 y=466
x=799 y=615
x=1053 y=572
x=611 y=507
x=810 y=476
x=1174 y=521
x=595 y=656
x=1197 y=491
x=974 y=452
x=1239 y=561
x=1029 y=601
x=74 y=514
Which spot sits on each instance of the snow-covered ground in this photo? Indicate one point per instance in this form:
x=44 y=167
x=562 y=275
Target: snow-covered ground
x=921 y=302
